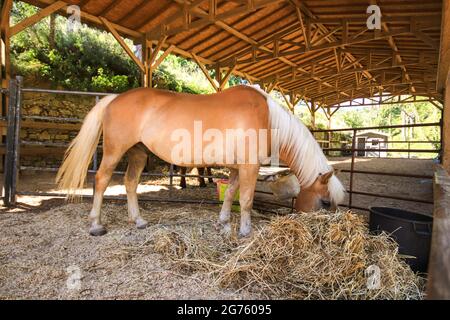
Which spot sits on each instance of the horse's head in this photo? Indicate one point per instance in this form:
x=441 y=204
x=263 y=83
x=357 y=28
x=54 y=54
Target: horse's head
x=326 y=189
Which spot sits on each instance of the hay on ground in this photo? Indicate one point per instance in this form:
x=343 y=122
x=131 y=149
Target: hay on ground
x=310 y=256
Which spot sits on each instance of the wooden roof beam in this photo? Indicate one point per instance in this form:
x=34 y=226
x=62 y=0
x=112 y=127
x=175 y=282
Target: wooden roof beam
x=119 y=39
x=43 y=13
x=108 y=8
x=331 y=38
x=133 y=11
x=206 y=72
x=242 y=36
x=89 y=18
x=398 y=57
x=83 y=3
x=205 y=17
x=356 y=88
x=332 y=45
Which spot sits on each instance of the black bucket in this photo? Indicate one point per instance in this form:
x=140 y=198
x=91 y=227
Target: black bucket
x=412 y=232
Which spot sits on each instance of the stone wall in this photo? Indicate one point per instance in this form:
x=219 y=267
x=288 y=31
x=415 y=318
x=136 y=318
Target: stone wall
x=51 y=105
x=61 y=106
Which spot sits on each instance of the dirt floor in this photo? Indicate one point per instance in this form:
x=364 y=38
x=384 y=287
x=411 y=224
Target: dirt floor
x=44 y=241
x=420 y=189
x=41 y=251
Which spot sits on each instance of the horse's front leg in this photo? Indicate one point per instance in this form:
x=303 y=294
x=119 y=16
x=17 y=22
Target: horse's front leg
x=183 y=171
x=136 y=162
x=225 y=212
x=201 y=179
x=248 y=176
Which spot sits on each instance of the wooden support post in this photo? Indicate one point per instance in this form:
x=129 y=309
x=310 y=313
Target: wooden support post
x=288 y=102
x=5 y=62
x=12 y=162
x=156 y=51
x=147 y=80
x=218 y=77
x=163 y=56
x=9 y=158
x=224 y=80
x=313 y=114
x=438 y=285
x=446 y=128
x=150 y=59
x=220 y=80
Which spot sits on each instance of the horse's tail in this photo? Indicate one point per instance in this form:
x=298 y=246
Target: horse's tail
x=73 y=171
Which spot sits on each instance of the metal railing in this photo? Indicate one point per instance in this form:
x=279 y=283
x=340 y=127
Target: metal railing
x=354 y=150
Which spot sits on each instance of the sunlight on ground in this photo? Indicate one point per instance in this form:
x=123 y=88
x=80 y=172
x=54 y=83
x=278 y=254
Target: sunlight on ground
x=27 y=201
x=119 y=190
x=349 y=160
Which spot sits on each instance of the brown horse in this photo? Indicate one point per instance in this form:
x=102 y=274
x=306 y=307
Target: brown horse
x=189 y=130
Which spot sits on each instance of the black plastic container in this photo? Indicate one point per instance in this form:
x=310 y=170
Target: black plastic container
x=412 y=232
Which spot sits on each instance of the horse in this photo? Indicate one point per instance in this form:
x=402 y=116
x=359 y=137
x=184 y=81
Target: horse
x=201 y=179
x=161 y=120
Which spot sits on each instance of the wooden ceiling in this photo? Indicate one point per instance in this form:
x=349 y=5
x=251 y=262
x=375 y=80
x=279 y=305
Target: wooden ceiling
x=317 y=50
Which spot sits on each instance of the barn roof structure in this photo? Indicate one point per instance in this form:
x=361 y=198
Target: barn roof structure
x=318 y=51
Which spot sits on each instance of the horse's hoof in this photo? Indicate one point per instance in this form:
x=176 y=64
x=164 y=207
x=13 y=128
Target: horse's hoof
x=245 y=234
x=98 y=231
x=226 y=230
x=141 y=224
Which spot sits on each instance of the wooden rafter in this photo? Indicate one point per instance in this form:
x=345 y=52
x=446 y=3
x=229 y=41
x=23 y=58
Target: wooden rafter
x=110 y=28
x=37 y=17
x=205 y=71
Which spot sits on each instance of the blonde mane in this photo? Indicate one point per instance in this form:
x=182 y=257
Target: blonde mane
x=304 y=155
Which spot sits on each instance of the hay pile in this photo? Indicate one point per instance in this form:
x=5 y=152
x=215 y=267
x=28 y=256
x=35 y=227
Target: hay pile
x=309 y=256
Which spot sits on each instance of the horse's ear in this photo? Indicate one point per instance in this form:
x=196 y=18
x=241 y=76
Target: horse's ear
x=326 y=177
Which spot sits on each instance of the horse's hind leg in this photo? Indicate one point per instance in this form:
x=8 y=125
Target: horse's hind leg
x=137 y=159
x=225 y=212
x=201 y=180
x=209 y=173
x=102 y=179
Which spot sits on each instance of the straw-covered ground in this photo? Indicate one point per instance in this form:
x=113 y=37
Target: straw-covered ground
x=182 y=256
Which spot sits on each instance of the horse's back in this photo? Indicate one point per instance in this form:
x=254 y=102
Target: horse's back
x=153 y=116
